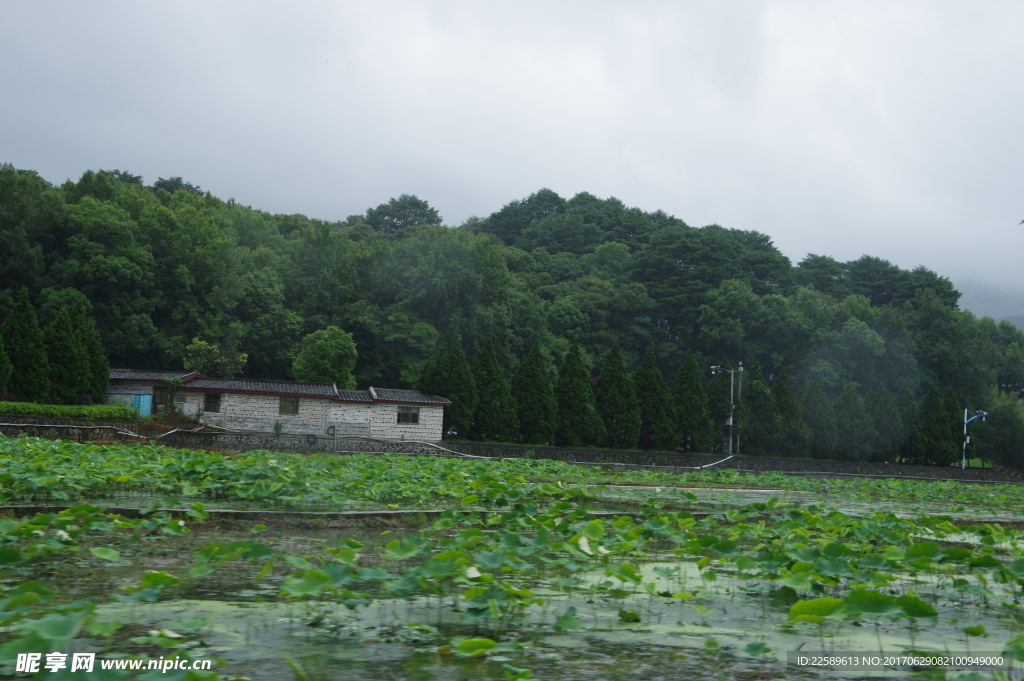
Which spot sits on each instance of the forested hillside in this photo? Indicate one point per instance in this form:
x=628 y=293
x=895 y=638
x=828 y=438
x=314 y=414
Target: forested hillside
x=158 y=266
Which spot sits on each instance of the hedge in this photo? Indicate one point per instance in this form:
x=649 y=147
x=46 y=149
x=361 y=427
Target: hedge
x=109 y=412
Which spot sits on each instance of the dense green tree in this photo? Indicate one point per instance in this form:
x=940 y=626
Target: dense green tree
x=213 y=361
x=579 y=422
x=953 y=417
x=155 y=266
x=5 y=370
x=761 y=427
x=938 y=442
x=536 y=407
x=854 y=429
x=617 y=402
x=693 y=428
x=448 y=375
x=407 y=210
x=795 y=437
x=509 y=222
x=26 y=349
x=658 y=418
x=909 y=412
x=169 y=185
x=821 y=419
x=721 y=398
x=327 y=356
x=98 y=366
x=1000 y=438
x=496 y=417
x=69 y=362
x=887 y=422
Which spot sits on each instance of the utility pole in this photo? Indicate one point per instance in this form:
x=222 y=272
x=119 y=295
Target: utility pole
x=732 y=399
x=967 y=438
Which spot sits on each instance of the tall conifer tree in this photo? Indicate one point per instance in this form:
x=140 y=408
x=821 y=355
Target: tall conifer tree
x=821 y=419
x=720 y=407
x=5 y=371
x=935 y=443
x=909 y=417
x=855 y=431
x=23 y=341
x=616 y=401
x=70 y=368
x=796 y=437
x=691 y=402
x=578 y=420
x=658 y=418
x=760 y=426
x=888 y=423
x=536 y=407
x=99 y=365
x=495 y=417
x=448 y=375
x=954 y=418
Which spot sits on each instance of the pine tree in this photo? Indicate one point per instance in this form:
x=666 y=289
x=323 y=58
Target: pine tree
x=908 y=411
x=658 y=418
x=536 y=407
x=578 y=420
x=1000 y=438
x=99 y=366
x=934 y=440
x=888 y=423
x=616 y=401
x=953 y=417
x=854 y=429
x=23 y=340
x=495 y=417
x=720 y=407
x=795 y=437
x=691 y=402
x=5 y=371
x=448 y=375
x=759 y=423
x=821 y=419
x=70 y=368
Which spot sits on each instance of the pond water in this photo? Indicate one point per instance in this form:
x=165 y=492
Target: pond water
x=624 y=631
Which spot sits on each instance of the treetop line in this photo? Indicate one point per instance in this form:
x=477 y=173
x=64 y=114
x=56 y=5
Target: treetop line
x=559 y=295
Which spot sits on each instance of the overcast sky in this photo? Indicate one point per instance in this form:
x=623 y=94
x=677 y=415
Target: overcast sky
x=838 y=128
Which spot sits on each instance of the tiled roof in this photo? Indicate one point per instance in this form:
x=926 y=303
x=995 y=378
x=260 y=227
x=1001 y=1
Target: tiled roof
x=409 y=396
x=246 y=385
x=354 y=396
x=146 y=375
x=194 y=381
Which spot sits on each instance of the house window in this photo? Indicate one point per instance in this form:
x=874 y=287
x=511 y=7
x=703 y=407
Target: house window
x=160 y=395
x=289 y=405
x=212 y=402
x=409 y=415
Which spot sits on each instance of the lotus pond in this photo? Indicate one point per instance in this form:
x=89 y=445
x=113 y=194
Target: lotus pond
x=515 y=579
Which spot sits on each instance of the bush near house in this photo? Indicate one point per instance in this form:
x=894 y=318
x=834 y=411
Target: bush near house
x=70 y=411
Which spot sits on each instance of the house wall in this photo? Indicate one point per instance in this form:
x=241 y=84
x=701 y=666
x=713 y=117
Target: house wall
x=385 y=423
x=132 y=388
x=240 y=411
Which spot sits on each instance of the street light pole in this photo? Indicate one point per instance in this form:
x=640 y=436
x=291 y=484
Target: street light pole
x=967 y=438
x=732 y=400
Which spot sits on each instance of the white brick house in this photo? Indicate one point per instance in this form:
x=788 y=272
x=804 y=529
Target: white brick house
x=292 y=407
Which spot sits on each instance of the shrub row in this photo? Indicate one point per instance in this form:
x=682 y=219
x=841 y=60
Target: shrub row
x=110 y=412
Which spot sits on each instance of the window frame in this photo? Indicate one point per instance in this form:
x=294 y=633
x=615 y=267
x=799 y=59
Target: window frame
x=412 y=415
x=291 y=401
x=212 y=398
